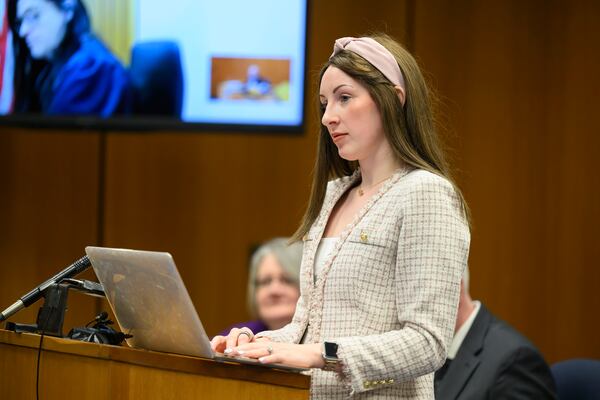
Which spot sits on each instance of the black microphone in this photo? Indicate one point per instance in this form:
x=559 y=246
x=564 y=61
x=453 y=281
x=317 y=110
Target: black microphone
x=78 y=266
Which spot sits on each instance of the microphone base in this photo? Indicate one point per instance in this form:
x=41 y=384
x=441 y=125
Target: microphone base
x=50 y=316
x=21 y=328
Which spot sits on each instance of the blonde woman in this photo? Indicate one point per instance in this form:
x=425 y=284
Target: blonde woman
x=273 y=287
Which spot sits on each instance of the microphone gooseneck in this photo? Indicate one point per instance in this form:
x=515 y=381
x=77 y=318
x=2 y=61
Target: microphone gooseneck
x=28 y=299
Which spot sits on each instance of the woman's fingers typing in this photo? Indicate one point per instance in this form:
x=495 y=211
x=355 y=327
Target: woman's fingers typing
x=218 y=343
x=237 y=337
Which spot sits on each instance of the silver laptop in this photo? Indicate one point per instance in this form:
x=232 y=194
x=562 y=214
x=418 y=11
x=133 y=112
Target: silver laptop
x=150 y=302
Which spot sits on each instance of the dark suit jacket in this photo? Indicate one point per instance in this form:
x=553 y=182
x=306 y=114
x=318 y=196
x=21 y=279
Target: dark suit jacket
x=495 y=362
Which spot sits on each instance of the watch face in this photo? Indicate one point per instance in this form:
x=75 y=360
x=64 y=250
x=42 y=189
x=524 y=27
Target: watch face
x=331 y=349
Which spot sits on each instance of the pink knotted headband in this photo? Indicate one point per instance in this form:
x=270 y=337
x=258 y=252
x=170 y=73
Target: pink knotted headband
x=376 y=54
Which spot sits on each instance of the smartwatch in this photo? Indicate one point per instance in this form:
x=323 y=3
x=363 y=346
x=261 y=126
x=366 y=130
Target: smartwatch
x=332 y=362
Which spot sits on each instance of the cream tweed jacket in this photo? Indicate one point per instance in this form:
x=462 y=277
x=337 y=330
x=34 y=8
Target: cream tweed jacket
x=389 y=291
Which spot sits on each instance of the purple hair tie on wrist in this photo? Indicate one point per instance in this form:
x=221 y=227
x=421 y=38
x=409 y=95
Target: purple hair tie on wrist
x=376 y=54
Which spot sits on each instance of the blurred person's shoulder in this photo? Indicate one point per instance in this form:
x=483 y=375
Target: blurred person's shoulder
x=91 y=57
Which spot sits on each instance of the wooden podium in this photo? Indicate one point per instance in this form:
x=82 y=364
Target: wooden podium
x=77 y=370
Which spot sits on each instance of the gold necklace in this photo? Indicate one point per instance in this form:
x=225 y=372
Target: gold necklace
x=361 y=191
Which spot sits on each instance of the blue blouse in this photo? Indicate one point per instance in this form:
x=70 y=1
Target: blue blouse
x=90 y=82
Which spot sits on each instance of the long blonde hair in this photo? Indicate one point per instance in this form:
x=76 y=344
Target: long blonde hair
x=410 y=130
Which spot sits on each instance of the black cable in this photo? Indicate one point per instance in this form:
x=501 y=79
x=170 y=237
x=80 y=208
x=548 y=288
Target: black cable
x=39 y=356
x=37 y=371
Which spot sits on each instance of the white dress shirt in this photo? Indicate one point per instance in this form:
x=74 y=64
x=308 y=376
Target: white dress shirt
x=460 y=335
x=326 y=246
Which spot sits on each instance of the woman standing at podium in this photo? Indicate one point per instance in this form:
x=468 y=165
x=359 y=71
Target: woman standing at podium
x=386 y=237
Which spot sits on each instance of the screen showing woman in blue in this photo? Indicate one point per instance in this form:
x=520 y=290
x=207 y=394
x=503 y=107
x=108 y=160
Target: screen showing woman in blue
x=61 y=68
x=234 y=63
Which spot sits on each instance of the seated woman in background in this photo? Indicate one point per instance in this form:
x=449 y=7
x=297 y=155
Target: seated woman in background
x=60 y=67
x=273 y=289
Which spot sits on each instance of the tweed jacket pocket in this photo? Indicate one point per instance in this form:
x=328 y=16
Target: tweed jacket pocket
x=368 y=237
x=374 y=243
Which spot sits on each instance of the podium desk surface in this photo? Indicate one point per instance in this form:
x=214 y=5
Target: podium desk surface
x=74 y=369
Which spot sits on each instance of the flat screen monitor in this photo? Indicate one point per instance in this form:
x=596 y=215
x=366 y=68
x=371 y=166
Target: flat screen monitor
x=140 y=64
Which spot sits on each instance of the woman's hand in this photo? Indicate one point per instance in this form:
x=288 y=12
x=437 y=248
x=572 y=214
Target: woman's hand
x=236 y=337
x=293 y=355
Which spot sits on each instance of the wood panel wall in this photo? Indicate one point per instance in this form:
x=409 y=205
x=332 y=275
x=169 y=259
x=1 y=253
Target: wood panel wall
x=48 y=212
x=517 y=80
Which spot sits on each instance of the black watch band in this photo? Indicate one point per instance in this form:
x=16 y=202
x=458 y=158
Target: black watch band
x=332 y=362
